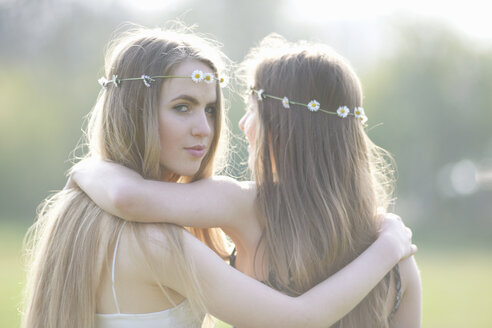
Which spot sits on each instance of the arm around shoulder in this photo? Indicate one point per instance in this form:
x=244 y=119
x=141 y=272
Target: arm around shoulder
x=229 y=295
x=242 y=301
x=211 y=202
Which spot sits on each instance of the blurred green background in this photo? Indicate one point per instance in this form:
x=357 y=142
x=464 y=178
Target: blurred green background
x=428 y=91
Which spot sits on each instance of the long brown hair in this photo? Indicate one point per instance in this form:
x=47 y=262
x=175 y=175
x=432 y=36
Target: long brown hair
x=69 y=245
x=319 y=178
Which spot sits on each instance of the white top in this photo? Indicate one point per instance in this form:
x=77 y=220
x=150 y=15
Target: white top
x=178 y=316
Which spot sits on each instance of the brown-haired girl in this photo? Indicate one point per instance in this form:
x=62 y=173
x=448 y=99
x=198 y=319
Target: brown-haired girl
x=313 y=208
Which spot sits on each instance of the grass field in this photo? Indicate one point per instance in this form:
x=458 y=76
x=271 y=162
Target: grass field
x=456 y=283
x=11 y=275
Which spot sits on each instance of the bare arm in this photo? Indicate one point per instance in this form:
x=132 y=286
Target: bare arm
x=321 y=306
x=234 y=297
x=212 y=202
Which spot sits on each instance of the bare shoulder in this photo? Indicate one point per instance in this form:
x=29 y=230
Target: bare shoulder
x=152 y=240
x=158 y=252
x=231 y=184
x=239 y=196
x=161 y=241
x=246 y=190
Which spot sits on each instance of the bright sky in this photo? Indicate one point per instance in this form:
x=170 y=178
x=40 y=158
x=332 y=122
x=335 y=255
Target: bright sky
x=471 y=17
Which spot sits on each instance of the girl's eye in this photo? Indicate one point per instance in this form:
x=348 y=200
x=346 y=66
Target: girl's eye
x=211 y=110
x=181 y=108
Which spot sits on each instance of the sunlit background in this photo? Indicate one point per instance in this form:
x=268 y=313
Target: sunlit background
x=426 y=70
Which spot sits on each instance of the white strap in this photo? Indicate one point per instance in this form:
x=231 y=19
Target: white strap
x=112 y=269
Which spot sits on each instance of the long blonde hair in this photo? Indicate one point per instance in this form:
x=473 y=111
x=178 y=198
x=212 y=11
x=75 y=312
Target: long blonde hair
x=319 y=178
x=69 y=244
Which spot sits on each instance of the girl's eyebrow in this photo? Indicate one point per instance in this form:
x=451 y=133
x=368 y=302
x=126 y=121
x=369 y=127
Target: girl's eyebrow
x=191 y=99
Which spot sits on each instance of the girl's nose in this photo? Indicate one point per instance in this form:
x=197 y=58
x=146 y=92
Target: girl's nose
x=202 y=126
x=242 y=122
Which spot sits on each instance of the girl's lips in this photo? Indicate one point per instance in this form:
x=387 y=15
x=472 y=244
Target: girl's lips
x=196 y=151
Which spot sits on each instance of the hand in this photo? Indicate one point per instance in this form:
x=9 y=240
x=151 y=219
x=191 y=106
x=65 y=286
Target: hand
x=111 y=186
x=79 y=168
x=91 y=172
x=104 y=182
x=79 y=173
x=400 y=236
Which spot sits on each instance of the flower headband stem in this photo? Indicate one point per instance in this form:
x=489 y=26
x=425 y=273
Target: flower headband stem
x=150 y=79
x=154 y=77
x=297 y=103
x=196 y=76
x=314 y=106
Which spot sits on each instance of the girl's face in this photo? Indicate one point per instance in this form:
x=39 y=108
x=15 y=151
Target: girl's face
x=247 y=124
x=186 y=120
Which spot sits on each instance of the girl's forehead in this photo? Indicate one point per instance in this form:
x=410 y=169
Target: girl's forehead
x=187 y=89
x=202 y=92
x=189 y=66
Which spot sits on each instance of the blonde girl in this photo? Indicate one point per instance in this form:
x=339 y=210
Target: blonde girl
x=159 y=117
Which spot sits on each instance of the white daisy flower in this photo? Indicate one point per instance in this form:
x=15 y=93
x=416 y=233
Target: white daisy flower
x=208 y=78
x=285 y=102
x=197 y=76
x=260 y=94
x=223 y=81
x=359 y=112
x=313 y=106
x=343 y=111
x=103 y=82
x=363 y=119
x=114 y=80
x=146 y=80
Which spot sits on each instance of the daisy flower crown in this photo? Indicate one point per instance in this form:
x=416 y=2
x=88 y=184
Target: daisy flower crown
x=314 y=106
x=197 y=76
